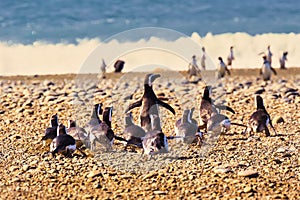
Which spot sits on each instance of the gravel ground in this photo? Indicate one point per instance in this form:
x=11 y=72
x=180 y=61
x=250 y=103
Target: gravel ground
x=233 y=166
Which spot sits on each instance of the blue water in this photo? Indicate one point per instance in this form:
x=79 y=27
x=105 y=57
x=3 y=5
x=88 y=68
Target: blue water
x=66 y=21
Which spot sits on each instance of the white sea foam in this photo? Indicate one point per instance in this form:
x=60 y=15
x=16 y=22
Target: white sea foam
x=45 y=58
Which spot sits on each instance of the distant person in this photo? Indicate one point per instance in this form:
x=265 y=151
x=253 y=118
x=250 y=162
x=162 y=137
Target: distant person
x=193 y=68
x=230 y=57
x=269 y=55
x=222 y=69
x=266 y=69
x=103 y=69
x=119 y=65
x=283 y=59
x=203 y=58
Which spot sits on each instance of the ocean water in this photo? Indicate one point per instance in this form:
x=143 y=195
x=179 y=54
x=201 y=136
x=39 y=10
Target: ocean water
x=58 y=36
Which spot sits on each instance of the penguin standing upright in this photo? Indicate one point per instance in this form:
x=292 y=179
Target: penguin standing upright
x=267 y=69
x=149 y=103
x=222 y=69
x=260 y=119
x=283 y=59
x=103 y=132
x=230 y=57
x=51 y=132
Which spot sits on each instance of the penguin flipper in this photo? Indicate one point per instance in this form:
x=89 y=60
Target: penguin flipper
x=121 y=139
x=167 y=106
x=222 y=107
x=134 y=105
x=273 y=70
x=227 y=70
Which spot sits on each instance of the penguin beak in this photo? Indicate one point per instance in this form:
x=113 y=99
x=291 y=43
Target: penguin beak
x=154 y=76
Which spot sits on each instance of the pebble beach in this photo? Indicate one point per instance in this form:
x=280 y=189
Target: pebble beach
x=234 y=166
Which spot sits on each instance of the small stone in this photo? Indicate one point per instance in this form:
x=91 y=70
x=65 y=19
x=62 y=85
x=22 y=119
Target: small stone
x=25 y=167
x=94 y=174
x=222 y=170
x=247 y=189
x=13 y=168
x=277 y=120
x=248 y=173
x=126 y=176
x=158 y=192
x=281 y=150
x=96 y=185
x=87 y=196
x=150 y=175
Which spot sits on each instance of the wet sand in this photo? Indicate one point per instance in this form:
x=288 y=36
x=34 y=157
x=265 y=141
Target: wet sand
x=235 y=166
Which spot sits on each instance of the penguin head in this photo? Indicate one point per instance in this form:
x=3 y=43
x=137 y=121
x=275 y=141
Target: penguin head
x=259 y=102
x=155 y=122
x=54 y=120
x=107 y=114
x=61 y=130
x=191 y=112
x=71 y=123
x=149 y=79
x=207 y=92
x=264 y=57
x=98 y=108
x=128 y=119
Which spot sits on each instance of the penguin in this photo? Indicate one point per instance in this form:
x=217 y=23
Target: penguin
x=63 y=143
x=269 y=55
x=203 y=58
x=230 y=57
x=93 y=122
x=155 y=141
x=208 y=108
x=260 y=119
x=133 y=133
x=222 y=69
x=266 y=69
x=191 y=116
x=103 y=132
x=185 y=128
x=218 y=122
x=51 y=132
x=78 y=133
x=149 y=103
x=283 y=59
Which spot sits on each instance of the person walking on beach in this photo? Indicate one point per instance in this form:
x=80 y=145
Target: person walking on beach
x=230 y=57
x=222 y=69
x=193 y=69
x=269 y=55
x=203 y=58
x=283 y=59
x=103 y=69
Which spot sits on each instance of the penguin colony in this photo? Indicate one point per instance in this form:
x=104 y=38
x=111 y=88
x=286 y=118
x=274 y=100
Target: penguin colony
x=149 y=135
